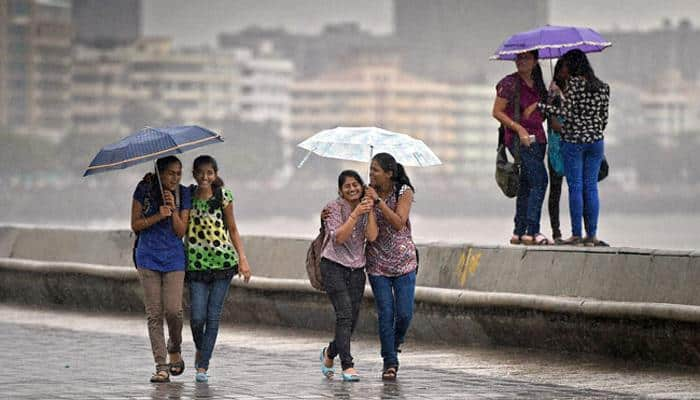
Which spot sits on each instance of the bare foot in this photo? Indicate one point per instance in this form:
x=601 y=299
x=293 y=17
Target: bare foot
x=350 y=371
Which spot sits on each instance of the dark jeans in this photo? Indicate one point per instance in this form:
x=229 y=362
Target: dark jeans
x=581 y=165
x=393 y=297
x=206 y=302
x=555 y=181
x=533 y=186
x=344 y=287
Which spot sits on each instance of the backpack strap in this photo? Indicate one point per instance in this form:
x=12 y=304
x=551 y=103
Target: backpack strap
x=219 y=196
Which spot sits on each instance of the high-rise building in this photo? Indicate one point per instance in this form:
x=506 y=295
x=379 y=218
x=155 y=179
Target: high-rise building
x=101 y=23
x=451 y=40
x=35 y=45
x=312 y=55
x=642 y=57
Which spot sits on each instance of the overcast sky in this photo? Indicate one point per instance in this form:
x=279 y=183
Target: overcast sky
x=195 y=22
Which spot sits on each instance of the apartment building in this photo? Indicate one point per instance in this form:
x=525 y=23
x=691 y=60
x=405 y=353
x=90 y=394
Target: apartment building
x=455 y=121
x=35 y=71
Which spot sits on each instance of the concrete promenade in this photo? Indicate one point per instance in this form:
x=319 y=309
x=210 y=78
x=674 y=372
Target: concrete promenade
x=51 y=354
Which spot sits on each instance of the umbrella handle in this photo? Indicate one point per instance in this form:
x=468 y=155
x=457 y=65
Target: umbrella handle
x=371 y=154
x=160 y=184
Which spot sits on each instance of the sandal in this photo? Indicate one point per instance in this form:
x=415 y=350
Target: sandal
x=328 y=372
x=538 y=240
x=389 y=374
x=573 y=241
x=161 y=375
x=515 y=239
x=177 y=368
x=594 y=242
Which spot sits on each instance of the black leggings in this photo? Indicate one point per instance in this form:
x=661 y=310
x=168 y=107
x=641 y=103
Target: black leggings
x=555 y=182
x=345 y=287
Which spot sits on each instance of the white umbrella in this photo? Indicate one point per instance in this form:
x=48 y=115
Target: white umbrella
x=362 y=143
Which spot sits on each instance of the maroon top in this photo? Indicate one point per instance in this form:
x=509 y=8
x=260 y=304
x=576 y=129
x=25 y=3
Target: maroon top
x=528 y=95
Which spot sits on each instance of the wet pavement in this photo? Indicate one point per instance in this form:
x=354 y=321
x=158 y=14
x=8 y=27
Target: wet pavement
x=64 y=355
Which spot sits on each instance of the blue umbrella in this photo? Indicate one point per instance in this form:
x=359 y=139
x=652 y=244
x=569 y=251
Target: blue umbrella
x=150 y=144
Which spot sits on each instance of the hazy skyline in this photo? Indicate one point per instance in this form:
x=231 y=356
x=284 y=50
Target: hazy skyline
x=191 y=23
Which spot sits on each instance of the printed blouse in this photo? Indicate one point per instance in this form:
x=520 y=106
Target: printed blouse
x=585 y=112
x=393 y=253
x=208 y=241
x=350 y=253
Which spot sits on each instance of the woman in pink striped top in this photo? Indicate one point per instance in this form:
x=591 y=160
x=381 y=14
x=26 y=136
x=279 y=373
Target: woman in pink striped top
x=348 y=221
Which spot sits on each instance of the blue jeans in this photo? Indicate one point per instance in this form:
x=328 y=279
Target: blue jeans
x=206 y=302
x=533 y=186
x=581 y=165
x=393 y=298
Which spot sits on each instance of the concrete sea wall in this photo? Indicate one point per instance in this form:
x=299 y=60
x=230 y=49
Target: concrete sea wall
x=631 y=303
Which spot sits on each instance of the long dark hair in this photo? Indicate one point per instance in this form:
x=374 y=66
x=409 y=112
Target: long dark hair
x=201 y=161
x=387 y=162
x=578 y=65
x=537 y=78
x=556 y=78
x=151 y=179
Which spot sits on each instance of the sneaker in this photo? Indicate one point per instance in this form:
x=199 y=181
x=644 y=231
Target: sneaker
x=201 y=377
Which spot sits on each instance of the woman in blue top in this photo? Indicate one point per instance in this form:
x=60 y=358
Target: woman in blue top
x=159 y=217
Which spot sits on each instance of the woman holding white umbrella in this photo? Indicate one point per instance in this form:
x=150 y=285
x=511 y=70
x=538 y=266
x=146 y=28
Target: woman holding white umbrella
x=392 y=260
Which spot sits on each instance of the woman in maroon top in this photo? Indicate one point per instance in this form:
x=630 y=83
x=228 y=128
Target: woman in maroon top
x=532 y=143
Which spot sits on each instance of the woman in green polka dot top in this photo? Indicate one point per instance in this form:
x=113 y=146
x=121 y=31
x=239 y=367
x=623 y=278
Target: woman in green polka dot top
x=214 y=255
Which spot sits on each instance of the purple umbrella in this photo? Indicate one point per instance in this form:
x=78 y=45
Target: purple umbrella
x=552 y=42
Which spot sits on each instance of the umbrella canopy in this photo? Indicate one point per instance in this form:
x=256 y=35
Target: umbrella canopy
x=551 y=42
x=361 y=143
x=150 y=144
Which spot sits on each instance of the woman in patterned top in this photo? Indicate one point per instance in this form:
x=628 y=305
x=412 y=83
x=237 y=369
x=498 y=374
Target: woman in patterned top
x=584 y=107
x=348 y=221
x=532 y=143
x=214 y=255
x=159 y=214
x=391 y=259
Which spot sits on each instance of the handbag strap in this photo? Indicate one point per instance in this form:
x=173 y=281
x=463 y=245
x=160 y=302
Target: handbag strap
x=515 y=100
x=516 y=118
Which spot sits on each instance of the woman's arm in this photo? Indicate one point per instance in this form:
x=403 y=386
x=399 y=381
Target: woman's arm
x=565 y=108
x=397 y=219
x=371 y=230
x=499 y=113
x=343 y=232
x=180 y=217
x=139 y=222
x=243 y=267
